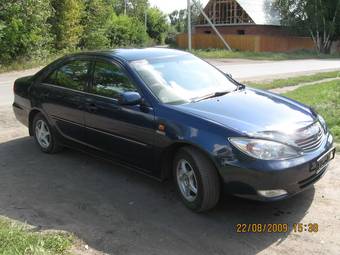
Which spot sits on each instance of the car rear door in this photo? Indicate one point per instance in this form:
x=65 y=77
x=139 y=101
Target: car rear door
x=62 y=94
x=125 y=132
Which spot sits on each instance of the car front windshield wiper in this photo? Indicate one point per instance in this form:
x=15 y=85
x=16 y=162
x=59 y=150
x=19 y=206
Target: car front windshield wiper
x=212 y=95
x=240 y=86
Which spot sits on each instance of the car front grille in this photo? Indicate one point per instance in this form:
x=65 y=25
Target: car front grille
x=313 y=137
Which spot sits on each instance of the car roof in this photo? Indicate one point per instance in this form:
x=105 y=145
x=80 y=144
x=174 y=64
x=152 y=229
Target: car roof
x=136 y=54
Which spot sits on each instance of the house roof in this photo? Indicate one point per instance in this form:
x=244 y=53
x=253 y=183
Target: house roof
x=260 y=11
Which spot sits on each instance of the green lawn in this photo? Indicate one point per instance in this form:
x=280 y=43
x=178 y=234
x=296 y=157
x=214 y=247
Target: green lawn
x=220 y=53
x=16 y=239
x=325 y=99
x=294 y=80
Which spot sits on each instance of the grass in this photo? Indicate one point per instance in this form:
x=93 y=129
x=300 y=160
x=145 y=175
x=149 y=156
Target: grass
x=325 y=99
x=294 y=80
x=303 y=54
x=16 y=239
x=22 y=64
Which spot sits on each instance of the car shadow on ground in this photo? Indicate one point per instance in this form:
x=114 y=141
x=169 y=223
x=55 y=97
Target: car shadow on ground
x=118 y=211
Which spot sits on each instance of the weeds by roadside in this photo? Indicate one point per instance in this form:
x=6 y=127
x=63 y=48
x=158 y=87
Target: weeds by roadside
x=22 y=64
x=302 y=54
x=17 y=239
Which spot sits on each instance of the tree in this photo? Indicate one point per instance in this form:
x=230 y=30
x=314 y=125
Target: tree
x=135 y=8
x=321 y=18
x=126 y=31
x=23 y=30
x=96 y=23
x=157 y=25
x=178 y=20
x=67 y=23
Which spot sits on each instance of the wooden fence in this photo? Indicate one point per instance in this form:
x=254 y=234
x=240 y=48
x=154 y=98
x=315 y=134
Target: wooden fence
x=255 y=43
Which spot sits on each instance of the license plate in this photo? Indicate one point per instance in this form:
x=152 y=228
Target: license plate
x=325 y=159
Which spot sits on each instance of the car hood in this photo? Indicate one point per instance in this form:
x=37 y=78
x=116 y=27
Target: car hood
x=251 y=110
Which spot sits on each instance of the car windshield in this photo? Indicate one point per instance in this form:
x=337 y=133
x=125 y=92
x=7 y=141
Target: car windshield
x=182 y=79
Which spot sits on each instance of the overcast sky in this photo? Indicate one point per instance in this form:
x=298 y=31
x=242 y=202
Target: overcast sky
x=168 y=6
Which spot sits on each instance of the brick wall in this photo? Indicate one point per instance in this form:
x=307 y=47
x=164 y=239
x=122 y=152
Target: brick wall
x=244 y=29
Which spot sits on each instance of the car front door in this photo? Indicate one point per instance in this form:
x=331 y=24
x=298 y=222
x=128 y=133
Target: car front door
x=125 y=132
x=61 y=94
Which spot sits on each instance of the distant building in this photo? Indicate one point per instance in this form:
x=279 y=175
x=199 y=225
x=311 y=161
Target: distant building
x=246 y=25
x=241 y=17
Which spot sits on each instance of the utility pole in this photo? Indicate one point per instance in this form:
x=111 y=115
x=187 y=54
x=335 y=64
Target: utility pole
x=146 y=20
x=189 y=26
x=125 y=6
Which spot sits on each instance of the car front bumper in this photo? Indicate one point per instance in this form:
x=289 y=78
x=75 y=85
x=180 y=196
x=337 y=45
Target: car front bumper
x=246 y=177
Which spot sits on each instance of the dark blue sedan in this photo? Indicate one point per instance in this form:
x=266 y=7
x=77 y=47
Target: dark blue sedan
x=168 y=113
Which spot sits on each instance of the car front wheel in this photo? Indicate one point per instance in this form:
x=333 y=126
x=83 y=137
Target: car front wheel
x=196 y=179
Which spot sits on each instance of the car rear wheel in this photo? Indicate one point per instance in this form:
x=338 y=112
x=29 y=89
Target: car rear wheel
x=196 y=179
x=44 y=136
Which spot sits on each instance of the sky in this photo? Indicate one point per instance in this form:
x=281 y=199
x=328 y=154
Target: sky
x=168 y=6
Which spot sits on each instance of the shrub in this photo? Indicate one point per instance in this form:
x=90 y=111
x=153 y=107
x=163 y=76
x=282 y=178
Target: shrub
x=126 y=31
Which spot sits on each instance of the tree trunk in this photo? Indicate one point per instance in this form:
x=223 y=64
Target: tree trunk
x=326 y=49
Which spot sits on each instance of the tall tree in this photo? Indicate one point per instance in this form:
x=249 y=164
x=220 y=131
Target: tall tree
x=179 y=18
x=321 y=18
x=157 y=25
x=23 y=30
x=96 y=22
x=134 y=8
x=67 y=23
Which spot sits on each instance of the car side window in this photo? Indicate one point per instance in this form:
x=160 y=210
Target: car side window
x=110 y=81
x=73 y=75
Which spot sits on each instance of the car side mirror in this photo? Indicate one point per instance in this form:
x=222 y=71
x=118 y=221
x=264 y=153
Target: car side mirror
x=130 y=98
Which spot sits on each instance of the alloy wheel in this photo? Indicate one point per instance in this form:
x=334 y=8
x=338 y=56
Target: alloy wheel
x=42 y=134
x=186 y=180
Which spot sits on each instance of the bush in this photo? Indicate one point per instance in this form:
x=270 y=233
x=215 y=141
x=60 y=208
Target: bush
x=23 y=30
x=171 y=37
x=126 y=31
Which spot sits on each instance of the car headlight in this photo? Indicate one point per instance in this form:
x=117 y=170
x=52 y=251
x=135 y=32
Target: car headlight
x=322 y=122
x=264 y=149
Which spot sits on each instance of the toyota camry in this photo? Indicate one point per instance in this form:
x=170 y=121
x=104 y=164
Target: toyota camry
x=169 y=114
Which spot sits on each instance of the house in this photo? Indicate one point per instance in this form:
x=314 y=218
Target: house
x=248 y=25
x=241 y=17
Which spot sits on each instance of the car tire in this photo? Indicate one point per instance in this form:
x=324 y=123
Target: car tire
x=194 y=171
x=44 y=135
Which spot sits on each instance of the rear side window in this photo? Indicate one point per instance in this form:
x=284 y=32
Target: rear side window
x=73 y=75
x=110 y=81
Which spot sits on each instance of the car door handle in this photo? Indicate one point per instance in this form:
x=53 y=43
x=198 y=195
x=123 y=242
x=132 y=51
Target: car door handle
x=91 y=107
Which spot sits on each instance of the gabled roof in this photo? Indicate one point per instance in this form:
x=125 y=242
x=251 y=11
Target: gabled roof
x=260 y=11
